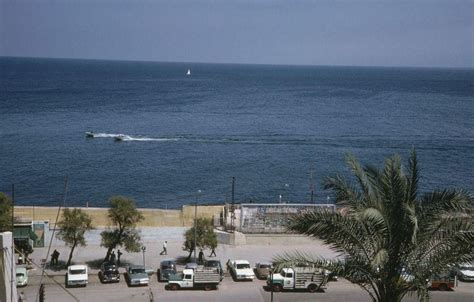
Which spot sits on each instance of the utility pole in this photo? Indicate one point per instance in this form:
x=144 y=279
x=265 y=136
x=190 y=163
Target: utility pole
x=143 y=251
x=195 y=224
x=232 y=207
x=311 y=184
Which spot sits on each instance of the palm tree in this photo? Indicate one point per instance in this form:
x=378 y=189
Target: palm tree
x=389 y=239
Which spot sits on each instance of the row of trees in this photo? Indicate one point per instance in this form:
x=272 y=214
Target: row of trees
x=123 y=216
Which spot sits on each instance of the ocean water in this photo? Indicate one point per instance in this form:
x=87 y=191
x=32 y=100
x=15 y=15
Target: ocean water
x=267 y=126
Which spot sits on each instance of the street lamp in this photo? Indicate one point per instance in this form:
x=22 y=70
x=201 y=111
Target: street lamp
x=195 y=223
x=143 y=251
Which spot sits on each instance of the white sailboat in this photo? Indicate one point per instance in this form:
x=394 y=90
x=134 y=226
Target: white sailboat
x=188 y=72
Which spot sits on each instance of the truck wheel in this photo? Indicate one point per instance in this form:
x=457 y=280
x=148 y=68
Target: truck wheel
x=173 y=286
x=207 y=287
x=443 y=287
x=312 y=288
x=277 y=288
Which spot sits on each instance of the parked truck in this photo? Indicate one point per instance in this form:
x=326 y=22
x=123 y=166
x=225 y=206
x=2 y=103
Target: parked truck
x=200 y=277
x=310 y=278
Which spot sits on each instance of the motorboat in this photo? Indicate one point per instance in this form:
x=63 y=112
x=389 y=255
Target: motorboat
x=120 y=137
x=90 y=134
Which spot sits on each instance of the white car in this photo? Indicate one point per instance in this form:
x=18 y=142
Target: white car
x=77 y=275
x=465 y=271
x=21 y=276
x=240 y=269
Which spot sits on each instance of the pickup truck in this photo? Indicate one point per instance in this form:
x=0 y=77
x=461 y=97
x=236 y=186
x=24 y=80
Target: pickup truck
x=444 y=281
x=77 y=275
x=309 y=278
x=240 y=270
x=200 y=277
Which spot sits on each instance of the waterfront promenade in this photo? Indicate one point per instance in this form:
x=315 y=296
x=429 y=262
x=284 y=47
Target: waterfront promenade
x=258 y=250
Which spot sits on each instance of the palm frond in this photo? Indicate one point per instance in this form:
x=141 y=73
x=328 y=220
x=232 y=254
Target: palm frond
x=342 y=233
x=360 y=174
x=346 y=194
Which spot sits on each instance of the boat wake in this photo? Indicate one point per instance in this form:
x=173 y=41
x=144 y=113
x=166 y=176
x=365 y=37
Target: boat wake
x=129 y=138
x=102 y=135
x=124 y=137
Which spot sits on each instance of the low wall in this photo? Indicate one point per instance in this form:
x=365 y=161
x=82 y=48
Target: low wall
x=269 y=239
x=153 y=217
x=235 y=238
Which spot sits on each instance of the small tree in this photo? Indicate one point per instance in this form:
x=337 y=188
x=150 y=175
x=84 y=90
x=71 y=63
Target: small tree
x=73 y=226
x=5 y=213
x=124 y=216
x=205 y=236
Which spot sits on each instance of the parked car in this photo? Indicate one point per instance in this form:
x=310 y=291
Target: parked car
x=465 y=271
x=136 y=275
x=109 y=273
x=215 y=264
x=77 y=275
x=262 y=269
x=167 y=267
x=21 y=276
x=240 y=270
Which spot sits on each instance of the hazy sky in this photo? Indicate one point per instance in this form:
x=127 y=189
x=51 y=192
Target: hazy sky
x=351 y=32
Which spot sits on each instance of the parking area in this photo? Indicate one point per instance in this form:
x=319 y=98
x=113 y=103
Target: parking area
x=228 y=290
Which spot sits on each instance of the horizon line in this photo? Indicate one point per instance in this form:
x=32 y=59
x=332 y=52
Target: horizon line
x=234 y=63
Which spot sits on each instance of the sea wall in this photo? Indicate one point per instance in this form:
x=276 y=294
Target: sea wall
x=153 y=217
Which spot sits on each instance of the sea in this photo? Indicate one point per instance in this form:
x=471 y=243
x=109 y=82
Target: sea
x=278 y=131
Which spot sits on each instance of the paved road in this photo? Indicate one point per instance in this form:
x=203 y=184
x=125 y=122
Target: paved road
x=229 y=290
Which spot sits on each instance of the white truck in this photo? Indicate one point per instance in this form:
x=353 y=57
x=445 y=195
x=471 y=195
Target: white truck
x=310 y=278
x=76 y=275
x=200 y=277
x=240 y=270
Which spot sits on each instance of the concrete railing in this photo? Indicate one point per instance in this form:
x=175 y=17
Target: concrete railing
x=153 y=217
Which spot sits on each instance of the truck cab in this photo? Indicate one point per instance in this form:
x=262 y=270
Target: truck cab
x=285 y=278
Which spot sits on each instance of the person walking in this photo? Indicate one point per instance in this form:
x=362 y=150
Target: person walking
x=165 y=248
x=201 y=256
x=54 y=257
x=213 y=252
